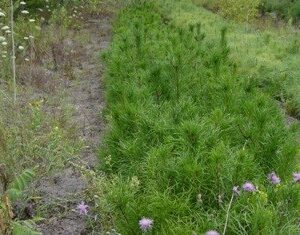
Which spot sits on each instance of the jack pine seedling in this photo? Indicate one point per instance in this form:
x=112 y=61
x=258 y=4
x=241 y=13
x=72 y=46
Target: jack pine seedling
x=183 y=124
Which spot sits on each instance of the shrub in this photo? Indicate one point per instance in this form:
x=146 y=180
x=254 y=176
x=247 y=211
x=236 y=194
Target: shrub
x=283 y=8
x=241 y=10
x=295 y=11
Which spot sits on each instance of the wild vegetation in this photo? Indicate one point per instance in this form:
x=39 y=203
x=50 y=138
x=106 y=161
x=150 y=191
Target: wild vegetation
x=271 y=53
x=186 y=128
x=288 y=10
x=201 y=110
x=36 y=136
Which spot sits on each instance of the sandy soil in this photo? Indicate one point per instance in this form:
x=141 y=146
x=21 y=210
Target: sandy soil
x=64 y=190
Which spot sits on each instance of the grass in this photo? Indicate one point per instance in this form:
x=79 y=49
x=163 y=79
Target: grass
x=33 y=132
x=191 y=114
x=185 y=126
x=267 y=54
x=36 y=135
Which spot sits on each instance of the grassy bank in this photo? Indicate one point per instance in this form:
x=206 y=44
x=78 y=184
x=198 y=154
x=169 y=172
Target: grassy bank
x=263 y=52
x=184 y=129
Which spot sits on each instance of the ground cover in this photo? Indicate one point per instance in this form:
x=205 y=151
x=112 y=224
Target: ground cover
x=268 y=54
x=184 y=129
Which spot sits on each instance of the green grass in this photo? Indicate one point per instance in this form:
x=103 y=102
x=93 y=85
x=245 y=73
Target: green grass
x=289 y=10
x=32 y=138
x=184 y=127
x=266 y=54
x=36 y=135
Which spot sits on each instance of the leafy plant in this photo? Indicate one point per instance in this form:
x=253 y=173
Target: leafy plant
x=24 y=227
x=20 y=182
x=12 y=193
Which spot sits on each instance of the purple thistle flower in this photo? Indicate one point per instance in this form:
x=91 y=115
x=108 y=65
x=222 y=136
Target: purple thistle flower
x=296 y=177
x=145 y=224
x=82 y=208
x=212 y=232
x=273 y=178
x=236 y=190
x=249 y=187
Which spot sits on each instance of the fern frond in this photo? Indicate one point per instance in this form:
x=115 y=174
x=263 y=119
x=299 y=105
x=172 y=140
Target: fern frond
x=16 y=187
x=24 y=228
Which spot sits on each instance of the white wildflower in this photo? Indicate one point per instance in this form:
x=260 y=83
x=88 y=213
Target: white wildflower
x=5 y=27
x=2 y=38
x=22 y=3
x=21 y=48
x=4 y=43
x=25 y=12
x=31 y=20
x=2 y=14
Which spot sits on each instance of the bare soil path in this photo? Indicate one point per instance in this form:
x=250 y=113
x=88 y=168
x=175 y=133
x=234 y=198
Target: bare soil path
x=61 y=192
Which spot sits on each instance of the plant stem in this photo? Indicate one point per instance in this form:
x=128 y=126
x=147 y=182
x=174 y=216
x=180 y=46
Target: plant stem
x=124 y=215
x=227 y=214
x=13 y=50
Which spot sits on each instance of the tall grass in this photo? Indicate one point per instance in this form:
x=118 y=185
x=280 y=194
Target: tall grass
x=269 y=55
x=183 y=129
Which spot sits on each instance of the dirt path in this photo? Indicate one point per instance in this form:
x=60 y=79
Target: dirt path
x=61 y=192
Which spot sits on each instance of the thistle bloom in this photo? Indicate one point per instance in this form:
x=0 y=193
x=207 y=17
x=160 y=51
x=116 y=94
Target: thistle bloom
x=273 y=178
x=296 y=177
x=249 y=187
x=145 y=224
x=82 y=208
x=212 y=232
